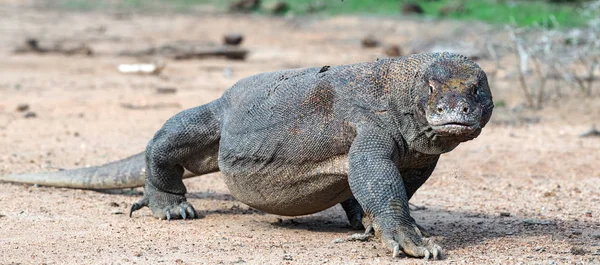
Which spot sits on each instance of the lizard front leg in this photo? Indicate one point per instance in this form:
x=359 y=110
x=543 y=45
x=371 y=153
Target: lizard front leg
x=377 y=184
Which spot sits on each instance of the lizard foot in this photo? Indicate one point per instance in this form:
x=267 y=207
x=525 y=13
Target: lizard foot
x=356 y=221
x=165 y=205
x=411 y=241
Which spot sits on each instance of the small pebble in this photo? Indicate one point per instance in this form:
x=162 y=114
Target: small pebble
x=540 y=249
x=29 y=114
x=23 y=107
x=233 y=39
x=166 y=90
x=287 y=257
x=338 y=240
x=369 y=42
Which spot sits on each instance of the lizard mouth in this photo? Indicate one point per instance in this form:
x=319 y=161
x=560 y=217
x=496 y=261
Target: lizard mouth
x=454 y=128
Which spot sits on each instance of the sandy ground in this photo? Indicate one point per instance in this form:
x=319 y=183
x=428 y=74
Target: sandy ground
x=527 y=191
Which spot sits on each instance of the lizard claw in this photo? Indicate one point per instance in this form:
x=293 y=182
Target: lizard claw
x=138 y=205
x=396 y=252
x=410 y=241
x=436 y=252
x=426 y=255
x=183 y=210
x=183 y=214
x=189 y=209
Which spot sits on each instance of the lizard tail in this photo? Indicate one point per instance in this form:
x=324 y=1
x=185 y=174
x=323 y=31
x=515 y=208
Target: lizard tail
x=125 y=173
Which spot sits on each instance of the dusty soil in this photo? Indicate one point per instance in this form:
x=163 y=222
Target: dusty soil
x=527 y=191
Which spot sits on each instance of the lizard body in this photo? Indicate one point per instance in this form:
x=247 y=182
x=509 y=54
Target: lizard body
x=295 y=142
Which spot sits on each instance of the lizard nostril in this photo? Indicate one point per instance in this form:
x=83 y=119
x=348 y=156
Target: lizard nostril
x=465 y=109
x=440 y=110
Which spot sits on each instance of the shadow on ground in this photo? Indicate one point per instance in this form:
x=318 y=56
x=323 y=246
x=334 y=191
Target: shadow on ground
x=452 y=229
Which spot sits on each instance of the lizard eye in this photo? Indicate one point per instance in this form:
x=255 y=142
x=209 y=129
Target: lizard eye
x=430 y=89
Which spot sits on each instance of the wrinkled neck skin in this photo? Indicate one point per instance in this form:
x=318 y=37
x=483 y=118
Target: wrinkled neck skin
x=411 y=125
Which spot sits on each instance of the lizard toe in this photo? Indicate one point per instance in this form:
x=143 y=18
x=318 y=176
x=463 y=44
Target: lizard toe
x=138 y=205
x=411 y=242
x=184 y=210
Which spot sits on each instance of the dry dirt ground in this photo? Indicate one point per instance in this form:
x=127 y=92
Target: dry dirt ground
x=527 y=191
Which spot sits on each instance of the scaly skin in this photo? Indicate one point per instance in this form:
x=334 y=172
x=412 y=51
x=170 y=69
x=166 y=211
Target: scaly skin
x=122 y=174
x=296 y=142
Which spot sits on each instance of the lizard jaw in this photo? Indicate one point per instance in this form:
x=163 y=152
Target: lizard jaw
x=454 y=128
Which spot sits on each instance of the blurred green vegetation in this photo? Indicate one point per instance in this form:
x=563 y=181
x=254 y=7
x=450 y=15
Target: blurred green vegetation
x=548 y=13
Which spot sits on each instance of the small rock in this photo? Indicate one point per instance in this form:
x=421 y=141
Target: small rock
x=29 y=114
x=578 y=251
x=113 y=204
x=2 y=215
x=166 y=90
x=335 y=241
x=369 y=41
x=287 y=257
x=233 y=39
x=504 y=214
x=411 y=8
x=588 y=214
x=393 y=51
x=539 y=249
x=239 y=261
x=244 y=5
x=23 y=107
x=117 y=213
x=577 y=233
x=277 y=8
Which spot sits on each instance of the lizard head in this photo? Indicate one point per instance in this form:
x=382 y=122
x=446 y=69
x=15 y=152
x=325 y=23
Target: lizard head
x=455 y=98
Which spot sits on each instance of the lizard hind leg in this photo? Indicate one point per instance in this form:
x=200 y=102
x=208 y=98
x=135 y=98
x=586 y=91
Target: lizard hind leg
x=190 y=139
x=354 y=212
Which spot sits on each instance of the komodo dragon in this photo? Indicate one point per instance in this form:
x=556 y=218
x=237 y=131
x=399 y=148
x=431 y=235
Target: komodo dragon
x=296 y=142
